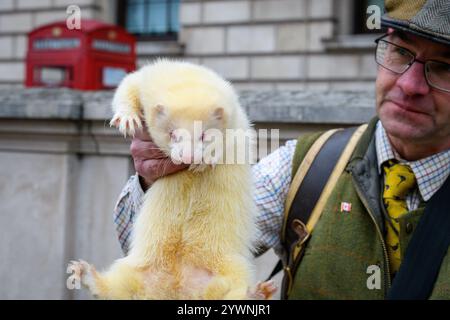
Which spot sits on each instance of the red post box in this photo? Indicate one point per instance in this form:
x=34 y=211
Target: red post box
x=95 y=57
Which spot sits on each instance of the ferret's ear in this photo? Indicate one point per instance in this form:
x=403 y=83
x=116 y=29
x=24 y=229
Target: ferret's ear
x=160 y=111
x=218 y=114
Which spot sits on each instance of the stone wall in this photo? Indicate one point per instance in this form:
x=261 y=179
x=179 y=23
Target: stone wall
x=276 y=44
x=257 y=44
x=62 y=169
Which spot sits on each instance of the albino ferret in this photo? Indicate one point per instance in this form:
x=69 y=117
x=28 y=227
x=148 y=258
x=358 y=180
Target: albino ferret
x=192 y=238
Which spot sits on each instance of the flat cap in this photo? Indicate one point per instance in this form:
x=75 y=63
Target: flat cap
x=427 y=18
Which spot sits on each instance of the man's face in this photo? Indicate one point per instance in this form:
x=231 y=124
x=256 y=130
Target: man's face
x=411 y=110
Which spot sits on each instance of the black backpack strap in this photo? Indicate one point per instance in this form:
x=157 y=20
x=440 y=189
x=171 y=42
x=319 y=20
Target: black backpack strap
x=298 y=227
x=313 y=175
x=314 y=181
x=312 y=185
x=314 y=142
x=426 y=250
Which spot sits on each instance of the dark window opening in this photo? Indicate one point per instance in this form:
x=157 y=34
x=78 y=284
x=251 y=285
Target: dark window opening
x=150 y=19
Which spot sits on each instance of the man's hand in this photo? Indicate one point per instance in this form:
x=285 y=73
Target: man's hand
x=150 y=162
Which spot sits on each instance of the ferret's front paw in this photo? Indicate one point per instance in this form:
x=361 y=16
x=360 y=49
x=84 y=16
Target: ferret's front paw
x=85 y=273
x=127 y=123
x=263 y=290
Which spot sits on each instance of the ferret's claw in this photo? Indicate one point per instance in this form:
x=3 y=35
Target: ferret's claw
x=85 y=273
x=126 y=123
x=263 y=290
x=115 y=121
x=77 y=267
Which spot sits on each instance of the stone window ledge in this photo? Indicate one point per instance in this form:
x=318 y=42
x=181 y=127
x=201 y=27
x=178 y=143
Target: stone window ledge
x=302 y=107
x=360 y=42
x=147 y=47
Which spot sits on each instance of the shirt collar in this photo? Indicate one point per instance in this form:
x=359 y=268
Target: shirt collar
x=430 y=172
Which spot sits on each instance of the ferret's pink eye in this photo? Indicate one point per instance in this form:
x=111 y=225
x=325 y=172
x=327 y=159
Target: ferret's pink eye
x=171 y=135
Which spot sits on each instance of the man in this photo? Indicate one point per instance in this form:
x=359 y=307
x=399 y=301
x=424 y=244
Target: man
x=408 y=147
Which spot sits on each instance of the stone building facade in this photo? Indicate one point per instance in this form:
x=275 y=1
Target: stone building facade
x=257 y=44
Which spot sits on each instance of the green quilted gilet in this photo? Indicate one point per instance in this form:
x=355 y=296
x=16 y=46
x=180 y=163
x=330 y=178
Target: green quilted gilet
x=346 y=257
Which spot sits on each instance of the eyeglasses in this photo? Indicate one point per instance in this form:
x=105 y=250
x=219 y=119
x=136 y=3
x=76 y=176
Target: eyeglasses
x=398 y=59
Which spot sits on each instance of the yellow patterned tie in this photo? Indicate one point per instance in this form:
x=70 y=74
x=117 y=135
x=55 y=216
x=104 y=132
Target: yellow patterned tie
x=399 y=181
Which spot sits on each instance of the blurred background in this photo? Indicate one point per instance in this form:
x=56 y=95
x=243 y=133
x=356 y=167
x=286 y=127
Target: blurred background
x=299 y=65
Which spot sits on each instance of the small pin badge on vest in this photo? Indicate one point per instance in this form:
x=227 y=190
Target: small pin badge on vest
x=346 y=207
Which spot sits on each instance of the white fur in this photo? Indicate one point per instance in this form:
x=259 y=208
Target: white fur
x=193 y=235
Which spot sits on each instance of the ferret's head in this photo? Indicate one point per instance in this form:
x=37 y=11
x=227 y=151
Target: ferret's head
x=187 y=109
x=189 y=139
